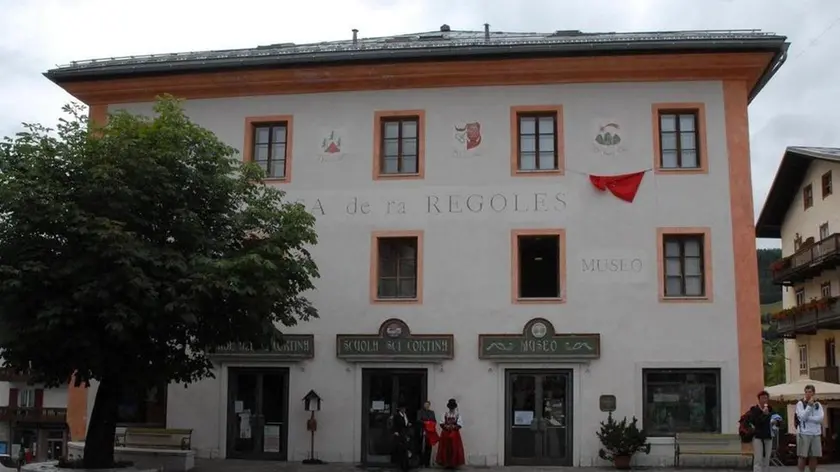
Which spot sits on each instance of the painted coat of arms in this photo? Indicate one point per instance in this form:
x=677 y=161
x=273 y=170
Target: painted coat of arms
x=331 y=146
x=608 y=139
x=467 y=138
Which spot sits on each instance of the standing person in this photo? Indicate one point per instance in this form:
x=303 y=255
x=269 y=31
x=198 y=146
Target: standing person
x=429 y=437
x=401 y=428
x=760 y=420
x=450 y=453
x=809 y=414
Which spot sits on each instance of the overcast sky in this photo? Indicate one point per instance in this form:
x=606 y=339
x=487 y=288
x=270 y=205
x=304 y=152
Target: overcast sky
x=799 y=106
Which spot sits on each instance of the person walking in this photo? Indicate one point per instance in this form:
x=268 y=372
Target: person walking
x=760 y=421
x=809 y=416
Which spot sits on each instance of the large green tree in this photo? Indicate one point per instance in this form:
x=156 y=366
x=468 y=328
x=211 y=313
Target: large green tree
x=130 y=251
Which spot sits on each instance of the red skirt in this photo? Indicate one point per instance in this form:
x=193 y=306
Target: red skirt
x=450 y=449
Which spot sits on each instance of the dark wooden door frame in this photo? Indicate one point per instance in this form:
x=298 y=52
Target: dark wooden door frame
x=538 y=461
x=365 y=406
x=231 y=415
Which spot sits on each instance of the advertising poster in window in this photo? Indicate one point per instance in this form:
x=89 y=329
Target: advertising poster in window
x=271 y=438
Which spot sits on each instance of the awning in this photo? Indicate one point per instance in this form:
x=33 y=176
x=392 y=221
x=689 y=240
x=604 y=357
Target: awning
x=793 y=391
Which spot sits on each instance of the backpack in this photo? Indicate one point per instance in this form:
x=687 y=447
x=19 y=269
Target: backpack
x=746 y=430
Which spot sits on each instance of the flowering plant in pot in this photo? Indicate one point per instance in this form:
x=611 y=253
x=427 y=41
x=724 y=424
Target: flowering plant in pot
x=621 y=440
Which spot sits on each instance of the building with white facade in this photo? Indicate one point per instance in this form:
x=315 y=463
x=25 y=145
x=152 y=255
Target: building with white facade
x=802 y=210
x=32 y=417
x=465 y=251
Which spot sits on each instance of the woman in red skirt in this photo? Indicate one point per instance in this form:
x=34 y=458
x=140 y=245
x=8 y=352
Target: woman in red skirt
x=450 y=453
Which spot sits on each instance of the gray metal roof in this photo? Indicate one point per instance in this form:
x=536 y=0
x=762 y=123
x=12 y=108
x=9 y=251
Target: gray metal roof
x=432 y=43
x=824 y=153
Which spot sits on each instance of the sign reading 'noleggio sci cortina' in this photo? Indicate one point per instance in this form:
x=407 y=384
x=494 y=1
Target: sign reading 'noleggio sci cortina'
x=538 y=341
x=290 y=347
x=395 y=342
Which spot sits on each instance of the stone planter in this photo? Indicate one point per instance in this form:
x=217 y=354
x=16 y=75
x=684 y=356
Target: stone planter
x=53 y=467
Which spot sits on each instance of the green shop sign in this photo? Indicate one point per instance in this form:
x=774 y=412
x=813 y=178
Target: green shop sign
x=290 y=347
x=539 y=341
x=394 y=342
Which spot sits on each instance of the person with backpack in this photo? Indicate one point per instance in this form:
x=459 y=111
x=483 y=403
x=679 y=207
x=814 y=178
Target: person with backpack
x=808 y=421
x=757 y=427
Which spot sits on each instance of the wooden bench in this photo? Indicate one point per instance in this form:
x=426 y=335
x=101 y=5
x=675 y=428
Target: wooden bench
x=709 y=444
x=155 y=438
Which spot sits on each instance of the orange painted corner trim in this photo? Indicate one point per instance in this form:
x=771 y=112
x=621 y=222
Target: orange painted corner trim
x=703 y=151
x=744 y=66
x=514 y=265
x=98 y=114
x=747 y=308
x=378 y=117
x=708 y=271
x=251 y=122
x=77 y=410
x=374 y=266
x=560 y=147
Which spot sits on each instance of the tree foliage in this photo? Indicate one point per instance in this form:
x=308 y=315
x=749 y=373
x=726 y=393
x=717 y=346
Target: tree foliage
x=130 y=251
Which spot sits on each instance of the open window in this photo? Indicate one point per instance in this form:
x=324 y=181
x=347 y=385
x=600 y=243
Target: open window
x=538 y=266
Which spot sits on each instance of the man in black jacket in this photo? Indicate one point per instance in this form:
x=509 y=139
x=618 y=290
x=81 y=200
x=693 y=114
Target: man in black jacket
x=401 y=428
x=426 y=414
x=759 y=418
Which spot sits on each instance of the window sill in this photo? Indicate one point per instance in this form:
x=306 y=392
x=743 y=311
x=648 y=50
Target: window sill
x=538 y=172
x=538 y=301
x=396 y=301
x=704 y=299
x=405 y=176
x=275 y=180
x=681 y=170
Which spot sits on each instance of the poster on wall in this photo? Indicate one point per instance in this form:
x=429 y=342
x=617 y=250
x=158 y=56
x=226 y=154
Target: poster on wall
x=245 y=424
x=466 y=139
x=331 y=145
x=271 y=438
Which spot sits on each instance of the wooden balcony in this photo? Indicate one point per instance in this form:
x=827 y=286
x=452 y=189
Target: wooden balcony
x=33 y=415
x=807 y=262
x=830 y=374
x=808 y=318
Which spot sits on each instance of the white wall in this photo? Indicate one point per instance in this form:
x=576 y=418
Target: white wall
x=467 y=255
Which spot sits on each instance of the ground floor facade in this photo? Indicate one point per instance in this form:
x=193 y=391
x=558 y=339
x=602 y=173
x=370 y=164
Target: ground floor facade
x=39 y=442
x=533 y=396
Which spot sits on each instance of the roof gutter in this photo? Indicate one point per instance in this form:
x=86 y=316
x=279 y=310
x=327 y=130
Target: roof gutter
x=168 y=66
x=775 y=64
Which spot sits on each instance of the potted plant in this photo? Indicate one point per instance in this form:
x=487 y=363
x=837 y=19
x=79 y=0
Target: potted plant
x=621 y=440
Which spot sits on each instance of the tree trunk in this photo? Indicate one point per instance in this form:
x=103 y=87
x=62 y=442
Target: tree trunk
x=99 y=441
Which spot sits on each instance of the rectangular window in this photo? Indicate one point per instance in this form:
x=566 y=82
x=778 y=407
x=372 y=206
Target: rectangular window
x=825 y=289
x=397 y=266
x=537 y=134
x=830 y=353
x=684 y=265
x=679 y=146
x=800 y=296
x=26 y=398
x=826 y=184
x=681 y=401
x=808 y=196
x=400 y=145
x=268 y=143
x=824 y=231
x=538 y=258
x=803 y=359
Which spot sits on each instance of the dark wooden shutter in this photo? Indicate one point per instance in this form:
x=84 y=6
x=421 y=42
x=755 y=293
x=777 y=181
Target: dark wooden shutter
x=13 y=397
x=39 y=398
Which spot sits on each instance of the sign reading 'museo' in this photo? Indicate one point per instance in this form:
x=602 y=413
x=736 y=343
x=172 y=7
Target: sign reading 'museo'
x=394 y=341
x=538 y=341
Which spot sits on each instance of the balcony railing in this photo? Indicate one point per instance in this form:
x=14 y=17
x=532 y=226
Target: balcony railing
x=34 y=415
x=807 y=262
x=809 y=317
x=830 y=374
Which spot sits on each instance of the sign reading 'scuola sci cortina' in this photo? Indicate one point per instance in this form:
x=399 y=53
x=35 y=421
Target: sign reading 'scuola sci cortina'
x=395 y=342
x=539 y=341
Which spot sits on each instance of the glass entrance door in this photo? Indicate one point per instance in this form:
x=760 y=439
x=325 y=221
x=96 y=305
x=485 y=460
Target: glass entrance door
x=382 y=392
x=538 y=420
x=257 y=413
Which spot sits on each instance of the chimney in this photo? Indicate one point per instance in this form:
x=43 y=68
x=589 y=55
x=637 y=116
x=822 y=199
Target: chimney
x=355 y=36
x=487 y=31
x=444 y=28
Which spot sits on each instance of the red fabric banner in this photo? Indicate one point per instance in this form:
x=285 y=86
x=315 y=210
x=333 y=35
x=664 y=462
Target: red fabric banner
x=623 y=186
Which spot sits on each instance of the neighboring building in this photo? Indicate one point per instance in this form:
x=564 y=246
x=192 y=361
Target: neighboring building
x=32 y=417
x=462 y=243
x=802 y=210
